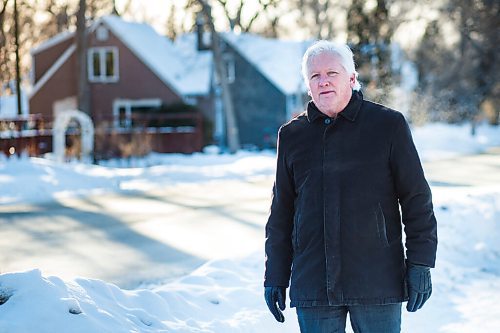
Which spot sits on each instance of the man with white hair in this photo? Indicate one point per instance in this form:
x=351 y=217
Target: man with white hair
x=348 y=178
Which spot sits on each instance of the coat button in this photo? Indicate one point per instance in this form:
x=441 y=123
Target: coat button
x=328 y=121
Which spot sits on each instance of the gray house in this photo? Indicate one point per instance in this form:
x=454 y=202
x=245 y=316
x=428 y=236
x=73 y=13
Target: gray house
x=265 y=81
x=266 y=84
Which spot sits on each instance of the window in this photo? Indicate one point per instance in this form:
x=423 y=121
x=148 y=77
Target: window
x=229 y=64
x=124 y=110
x=124 y=117
x=294 y=105
x=103 y=64
x=191 y=100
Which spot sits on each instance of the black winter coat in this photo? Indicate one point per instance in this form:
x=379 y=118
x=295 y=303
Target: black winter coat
x=335 y=226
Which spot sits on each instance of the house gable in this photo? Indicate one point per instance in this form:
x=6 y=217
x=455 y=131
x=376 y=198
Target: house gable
x=259 y=104
x=157 y=52
x=270 y=87
x=147 y=67
x=278 y=60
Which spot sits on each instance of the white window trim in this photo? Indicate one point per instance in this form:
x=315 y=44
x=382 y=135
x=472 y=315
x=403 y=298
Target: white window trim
x=102 y=63
x=128 y=104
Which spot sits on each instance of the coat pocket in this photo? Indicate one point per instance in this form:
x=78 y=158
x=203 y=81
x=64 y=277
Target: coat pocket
x=381 y=226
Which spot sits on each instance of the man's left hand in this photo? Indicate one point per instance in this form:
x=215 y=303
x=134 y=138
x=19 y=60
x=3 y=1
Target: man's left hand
x=418 y=278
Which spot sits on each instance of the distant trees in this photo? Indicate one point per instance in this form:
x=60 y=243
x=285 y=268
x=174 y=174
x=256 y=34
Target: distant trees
x=81 y=58
x=459 y=62
x=10 y=41
x=235 y=17
x=457 y=58
x=370 y=30
x=240 y=16
x=319 y=19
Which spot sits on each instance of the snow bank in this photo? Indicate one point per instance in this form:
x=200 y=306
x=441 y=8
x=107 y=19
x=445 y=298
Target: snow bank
x=221 y=296
x=30 y=180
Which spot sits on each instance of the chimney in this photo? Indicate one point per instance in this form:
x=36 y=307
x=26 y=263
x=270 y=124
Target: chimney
x=202 y=37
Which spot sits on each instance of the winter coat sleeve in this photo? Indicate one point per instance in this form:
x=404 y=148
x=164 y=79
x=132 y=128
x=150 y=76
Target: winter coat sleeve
x=279 y=226
x=414 y=197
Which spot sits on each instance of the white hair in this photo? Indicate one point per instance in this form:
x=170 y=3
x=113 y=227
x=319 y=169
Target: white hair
x=341 y=50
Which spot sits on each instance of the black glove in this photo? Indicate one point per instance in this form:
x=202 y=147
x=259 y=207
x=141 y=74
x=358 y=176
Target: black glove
x=418 y=279
x=275 y=295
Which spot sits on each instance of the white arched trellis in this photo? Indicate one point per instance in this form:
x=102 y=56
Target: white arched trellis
x=59 y=134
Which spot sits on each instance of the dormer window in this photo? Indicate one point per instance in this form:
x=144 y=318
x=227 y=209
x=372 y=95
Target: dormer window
x=103 y=64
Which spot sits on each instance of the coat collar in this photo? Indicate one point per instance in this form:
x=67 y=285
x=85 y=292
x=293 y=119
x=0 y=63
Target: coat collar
x=350 y=112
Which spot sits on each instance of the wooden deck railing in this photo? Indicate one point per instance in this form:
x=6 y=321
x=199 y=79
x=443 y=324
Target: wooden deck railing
x=164 y=133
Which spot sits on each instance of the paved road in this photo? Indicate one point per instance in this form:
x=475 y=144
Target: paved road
x=474 y=170
x=134 y=238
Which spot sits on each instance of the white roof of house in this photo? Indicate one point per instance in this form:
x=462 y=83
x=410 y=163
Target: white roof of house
x=59 y=38
x=197 y=64
x=278 y=60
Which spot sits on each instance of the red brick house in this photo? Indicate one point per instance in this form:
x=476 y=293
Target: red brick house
x=132 y=72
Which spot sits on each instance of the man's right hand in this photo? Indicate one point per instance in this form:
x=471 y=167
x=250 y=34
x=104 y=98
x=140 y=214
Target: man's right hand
x=275 y=295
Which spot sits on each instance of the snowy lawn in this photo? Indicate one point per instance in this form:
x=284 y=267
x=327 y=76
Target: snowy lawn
x=227 y=295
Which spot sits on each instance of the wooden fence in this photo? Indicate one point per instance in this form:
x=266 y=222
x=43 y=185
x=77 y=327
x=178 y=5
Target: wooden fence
x=163 y=133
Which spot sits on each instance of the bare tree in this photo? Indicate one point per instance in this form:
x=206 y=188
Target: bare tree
x=16 y=31
x=171 y=22
x=370 y=31
x=318 y=18
x=81 y=53
x=235 y=18
x=18 y=70
x=232 y=127
x=5 y=22
x=81 y=46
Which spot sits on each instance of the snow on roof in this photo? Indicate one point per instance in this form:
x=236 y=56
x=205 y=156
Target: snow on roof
x=197 y=64
x=158 y=53
x=59 y=38
x=278 y=60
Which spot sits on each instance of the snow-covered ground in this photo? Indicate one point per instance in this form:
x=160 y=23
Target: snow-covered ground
x=226 y=295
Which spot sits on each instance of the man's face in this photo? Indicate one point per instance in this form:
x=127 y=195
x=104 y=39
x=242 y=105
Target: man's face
x=329 y=84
